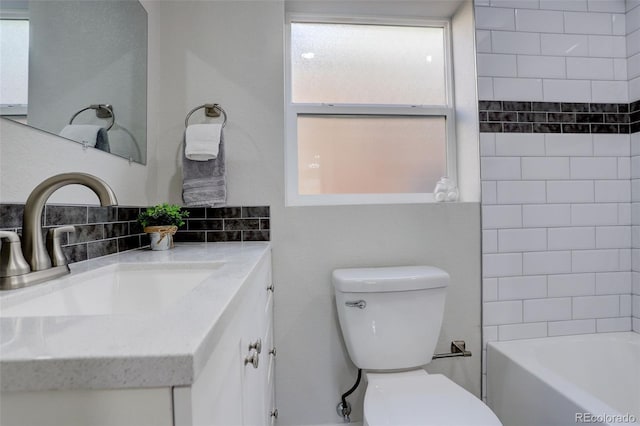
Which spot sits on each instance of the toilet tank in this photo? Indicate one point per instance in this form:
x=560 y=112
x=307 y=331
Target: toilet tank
x=390 y=317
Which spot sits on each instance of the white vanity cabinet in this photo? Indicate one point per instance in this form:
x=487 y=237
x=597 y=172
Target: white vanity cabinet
x=231 y=384
x=236 y=386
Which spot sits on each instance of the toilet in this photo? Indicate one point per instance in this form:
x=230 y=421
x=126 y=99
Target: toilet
x=390 y=319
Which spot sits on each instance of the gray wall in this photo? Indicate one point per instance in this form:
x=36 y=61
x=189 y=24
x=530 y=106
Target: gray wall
x=232 y=53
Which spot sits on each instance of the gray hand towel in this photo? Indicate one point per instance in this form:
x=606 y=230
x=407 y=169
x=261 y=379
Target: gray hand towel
x=204 y=183
x=102 y=140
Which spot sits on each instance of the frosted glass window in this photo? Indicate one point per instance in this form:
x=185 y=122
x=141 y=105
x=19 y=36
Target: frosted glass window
x=367 y=64
x=14 y=61
x=370 y=154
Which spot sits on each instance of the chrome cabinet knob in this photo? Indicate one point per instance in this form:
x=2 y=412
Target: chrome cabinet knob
x=257 y=345
x=252 y=359
x=270 y=288
x=273 y=351
x=274 y=413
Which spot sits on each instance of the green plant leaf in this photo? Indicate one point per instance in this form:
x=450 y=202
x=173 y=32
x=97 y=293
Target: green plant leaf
x=163 y=215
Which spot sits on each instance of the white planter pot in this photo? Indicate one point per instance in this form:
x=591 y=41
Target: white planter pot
x=161 y=237
x=159 y=243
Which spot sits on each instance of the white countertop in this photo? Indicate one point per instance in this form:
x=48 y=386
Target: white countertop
x=167 y=348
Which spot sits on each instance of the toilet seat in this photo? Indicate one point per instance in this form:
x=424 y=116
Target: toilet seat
x=415 y=398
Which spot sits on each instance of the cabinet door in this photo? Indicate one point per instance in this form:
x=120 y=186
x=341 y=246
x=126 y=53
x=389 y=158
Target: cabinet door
x=226 y=396
x=230 y=391
x=256 y=396
x=270 y=361
x=267 y=378
x=215 y=399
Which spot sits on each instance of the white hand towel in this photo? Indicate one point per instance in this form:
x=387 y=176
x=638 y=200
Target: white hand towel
x=202 y=141
x=81 y=133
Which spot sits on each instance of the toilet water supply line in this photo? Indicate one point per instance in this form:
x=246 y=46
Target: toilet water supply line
x=344 y=408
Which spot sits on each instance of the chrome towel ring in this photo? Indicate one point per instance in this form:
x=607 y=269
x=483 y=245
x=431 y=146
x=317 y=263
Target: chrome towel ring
x=102 y=111
x=210 y=110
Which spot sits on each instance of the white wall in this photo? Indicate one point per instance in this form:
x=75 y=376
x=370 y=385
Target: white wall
x=232 y=53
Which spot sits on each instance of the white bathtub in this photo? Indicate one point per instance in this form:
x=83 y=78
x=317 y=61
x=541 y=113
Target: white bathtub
x=569 y=380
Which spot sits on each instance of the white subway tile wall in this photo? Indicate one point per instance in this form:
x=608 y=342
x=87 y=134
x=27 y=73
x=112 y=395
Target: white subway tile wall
x=554 y=50
x=560 y=211
x=556 y=229
x=633 y=49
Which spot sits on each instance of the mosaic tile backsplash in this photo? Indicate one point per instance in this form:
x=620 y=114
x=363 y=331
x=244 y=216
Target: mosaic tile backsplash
x=558 y=117
x=101 y=231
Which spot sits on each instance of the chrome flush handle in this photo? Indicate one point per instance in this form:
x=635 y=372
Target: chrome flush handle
x=360 y=304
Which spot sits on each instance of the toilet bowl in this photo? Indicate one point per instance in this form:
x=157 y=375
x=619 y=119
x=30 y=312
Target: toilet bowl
x=390 y=320
x=415 y=398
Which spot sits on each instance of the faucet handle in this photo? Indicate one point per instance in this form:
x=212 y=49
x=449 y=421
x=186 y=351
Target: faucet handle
x=54 y=246
x=11 y=259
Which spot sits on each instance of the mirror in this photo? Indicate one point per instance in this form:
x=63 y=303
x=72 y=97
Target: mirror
x=77 y=69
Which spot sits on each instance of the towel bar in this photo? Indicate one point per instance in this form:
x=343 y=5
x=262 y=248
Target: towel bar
x=210 y=110
x=102 y=111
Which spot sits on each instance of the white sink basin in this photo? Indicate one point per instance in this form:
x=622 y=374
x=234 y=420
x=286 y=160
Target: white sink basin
x=126 y=288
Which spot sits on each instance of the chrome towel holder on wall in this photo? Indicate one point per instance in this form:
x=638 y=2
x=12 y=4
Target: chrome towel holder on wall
x=210 y=110
x=102 y=111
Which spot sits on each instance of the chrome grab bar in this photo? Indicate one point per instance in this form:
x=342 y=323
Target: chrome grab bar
x=458 y=348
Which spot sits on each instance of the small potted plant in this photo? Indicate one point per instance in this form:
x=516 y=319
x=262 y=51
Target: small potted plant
x=161 y=222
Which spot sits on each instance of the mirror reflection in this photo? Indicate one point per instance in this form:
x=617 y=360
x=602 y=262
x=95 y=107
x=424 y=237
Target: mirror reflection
x=77 y=69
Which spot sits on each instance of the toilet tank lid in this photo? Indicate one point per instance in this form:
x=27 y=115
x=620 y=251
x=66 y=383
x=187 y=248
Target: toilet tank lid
x=394 y=278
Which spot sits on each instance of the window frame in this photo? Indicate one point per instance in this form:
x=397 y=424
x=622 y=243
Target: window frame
x=293 y=110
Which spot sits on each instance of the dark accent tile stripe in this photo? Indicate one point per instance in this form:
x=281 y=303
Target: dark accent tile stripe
x=11 y=215
x=101 y=248
x=101 y=231
x=103 y=214
x=76 y=253
x=558 y=117
x=186 y=237
x=65 y=215
x=224 y=236
x=255 y=235
x=243 y=223
x=205 y=224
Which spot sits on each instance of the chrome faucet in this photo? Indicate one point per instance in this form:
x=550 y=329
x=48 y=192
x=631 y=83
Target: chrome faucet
x=33 y=263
